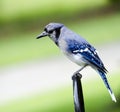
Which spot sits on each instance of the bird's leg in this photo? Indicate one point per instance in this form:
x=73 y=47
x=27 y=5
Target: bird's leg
x=77 y=72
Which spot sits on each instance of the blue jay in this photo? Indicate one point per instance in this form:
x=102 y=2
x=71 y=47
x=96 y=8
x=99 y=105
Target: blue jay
x=77 y=49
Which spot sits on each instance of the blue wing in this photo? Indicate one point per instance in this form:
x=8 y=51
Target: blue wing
x=88 y=53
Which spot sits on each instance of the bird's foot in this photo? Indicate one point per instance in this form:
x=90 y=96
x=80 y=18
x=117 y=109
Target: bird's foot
x=76 y=74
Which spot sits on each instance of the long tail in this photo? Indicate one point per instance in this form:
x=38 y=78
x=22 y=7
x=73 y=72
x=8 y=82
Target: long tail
x=103 y=76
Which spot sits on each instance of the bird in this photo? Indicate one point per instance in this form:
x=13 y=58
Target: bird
x=77 y=49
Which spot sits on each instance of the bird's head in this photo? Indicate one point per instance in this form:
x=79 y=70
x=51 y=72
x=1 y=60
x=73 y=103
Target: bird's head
x=52 y=30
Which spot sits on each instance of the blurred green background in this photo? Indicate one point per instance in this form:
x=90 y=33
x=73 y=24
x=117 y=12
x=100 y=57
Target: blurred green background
x=21 y=21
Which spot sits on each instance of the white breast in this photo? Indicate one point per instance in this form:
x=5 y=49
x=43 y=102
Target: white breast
x=76 y=58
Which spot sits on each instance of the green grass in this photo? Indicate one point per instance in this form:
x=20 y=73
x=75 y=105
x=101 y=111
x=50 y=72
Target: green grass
x=20 y=47
x=96 y=98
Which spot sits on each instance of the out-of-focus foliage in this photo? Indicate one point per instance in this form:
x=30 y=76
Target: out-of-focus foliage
x=115 y=2
x=27 y=14
x=32 y=10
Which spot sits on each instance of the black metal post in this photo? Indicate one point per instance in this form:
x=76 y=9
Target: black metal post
x=78 y=93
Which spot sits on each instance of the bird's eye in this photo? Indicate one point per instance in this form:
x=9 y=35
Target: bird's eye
x=51 y=31
x=45 y=29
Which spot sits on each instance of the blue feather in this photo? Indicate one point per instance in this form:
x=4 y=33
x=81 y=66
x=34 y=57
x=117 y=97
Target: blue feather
x=103 y=76
x=90 y=54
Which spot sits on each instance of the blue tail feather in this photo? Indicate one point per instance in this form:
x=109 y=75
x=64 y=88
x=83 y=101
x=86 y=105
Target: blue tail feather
x=103 y=76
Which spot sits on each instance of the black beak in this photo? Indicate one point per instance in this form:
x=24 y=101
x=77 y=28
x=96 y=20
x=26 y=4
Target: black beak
x=43 y=34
